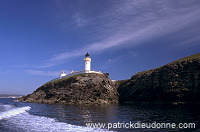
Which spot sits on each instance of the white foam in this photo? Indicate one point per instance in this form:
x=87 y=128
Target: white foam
x=21 y=119
x=4 y=107
x=33 y=123
x=13 y=112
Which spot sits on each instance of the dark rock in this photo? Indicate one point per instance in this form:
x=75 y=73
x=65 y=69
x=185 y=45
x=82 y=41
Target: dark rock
x=178 y=81
x=89 y=88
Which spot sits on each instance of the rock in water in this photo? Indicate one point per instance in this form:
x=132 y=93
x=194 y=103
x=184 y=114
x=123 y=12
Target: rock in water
x=178 y=81
x=88 y=88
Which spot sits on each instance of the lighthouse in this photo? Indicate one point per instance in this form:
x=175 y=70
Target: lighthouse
x=87 y=61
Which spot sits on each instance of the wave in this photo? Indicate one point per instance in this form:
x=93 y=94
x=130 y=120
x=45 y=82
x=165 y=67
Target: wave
x=13 y=112
x=4 y=107
x=21 y=120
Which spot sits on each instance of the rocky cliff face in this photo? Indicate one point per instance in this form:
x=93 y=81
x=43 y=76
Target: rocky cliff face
x=178 y=81
x=80 y=89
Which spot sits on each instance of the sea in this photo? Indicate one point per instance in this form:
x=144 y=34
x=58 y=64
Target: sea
x=138 y=117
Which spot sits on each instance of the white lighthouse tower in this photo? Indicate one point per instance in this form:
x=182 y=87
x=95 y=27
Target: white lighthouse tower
x=87 y=61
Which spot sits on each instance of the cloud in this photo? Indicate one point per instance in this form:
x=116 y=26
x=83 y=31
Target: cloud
x=78 y=20
x=109 y=63
x=145 y=32
x=19 y=66
x=129 y=23
x=47 y=64
x=192 y=41
x=43 y=73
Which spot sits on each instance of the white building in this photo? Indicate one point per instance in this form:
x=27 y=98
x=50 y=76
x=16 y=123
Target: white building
x=87 y=69
x=63 y=74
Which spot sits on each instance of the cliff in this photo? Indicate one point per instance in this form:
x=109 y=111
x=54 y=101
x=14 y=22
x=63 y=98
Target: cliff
x=178 y=81
x=80 y=89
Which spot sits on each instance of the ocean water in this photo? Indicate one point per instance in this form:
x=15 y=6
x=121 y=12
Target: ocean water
x=33 y=117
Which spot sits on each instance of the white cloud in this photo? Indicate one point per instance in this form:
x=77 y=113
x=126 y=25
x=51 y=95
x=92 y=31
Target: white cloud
x=189 y=41
x=132 y=21
x=44 y=73
x=79 y=20
x=145 y=32
x=19 y=66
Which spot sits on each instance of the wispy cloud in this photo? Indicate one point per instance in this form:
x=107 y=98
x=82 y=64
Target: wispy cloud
x=43 y=73
x=78 y=20
x=189 y=41
x=107 y=64
x=19 y=66
x=129 y=23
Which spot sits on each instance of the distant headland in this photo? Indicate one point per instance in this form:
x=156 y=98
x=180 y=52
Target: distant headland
x=176 y=82
x=10 y=96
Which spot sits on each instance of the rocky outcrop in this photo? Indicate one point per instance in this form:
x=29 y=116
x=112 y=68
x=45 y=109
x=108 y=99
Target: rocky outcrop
x=87 y=88
x=178 y=81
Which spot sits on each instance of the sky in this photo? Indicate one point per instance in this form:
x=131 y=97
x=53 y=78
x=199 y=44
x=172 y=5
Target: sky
x=40 y=38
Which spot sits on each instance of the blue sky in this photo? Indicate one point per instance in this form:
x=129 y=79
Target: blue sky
x=40 y=38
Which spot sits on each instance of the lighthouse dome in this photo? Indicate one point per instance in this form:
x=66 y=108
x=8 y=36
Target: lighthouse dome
x=87 y=55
